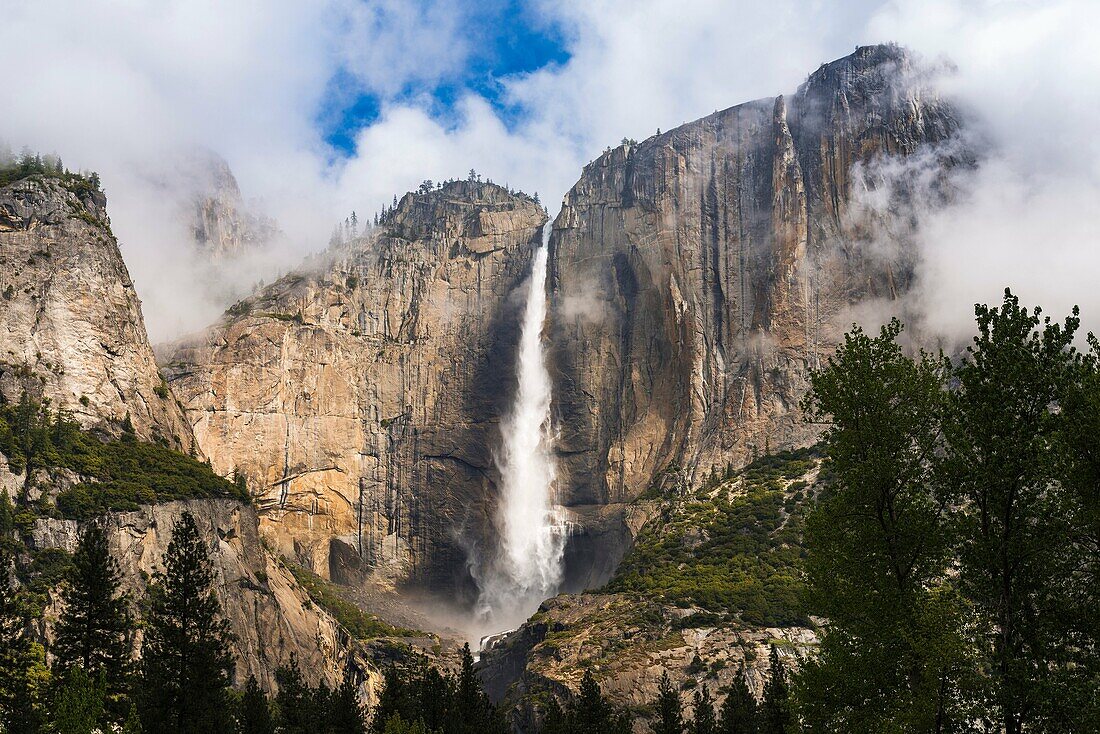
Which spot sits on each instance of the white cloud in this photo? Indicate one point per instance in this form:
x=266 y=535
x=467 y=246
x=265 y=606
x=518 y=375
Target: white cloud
x=123 y=85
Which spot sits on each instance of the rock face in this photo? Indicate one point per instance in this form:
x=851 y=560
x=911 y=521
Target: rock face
x=361 y=396
x=628 y=643
x=269 y=614
x=222 y=224
x=72 y=332
x=71 y=321
x=696 y=278
x=699 y=275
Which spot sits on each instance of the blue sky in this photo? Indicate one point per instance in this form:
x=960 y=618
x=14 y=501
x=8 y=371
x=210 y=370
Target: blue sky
x=507 y=38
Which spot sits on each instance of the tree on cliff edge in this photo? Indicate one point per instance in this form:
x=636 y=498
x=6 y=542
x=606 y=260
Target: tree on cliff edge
x=186 y=661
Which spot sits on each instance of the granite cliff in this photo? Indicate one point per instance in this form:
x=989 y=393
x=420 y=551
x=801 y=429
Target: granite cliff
x=695 y=280
x=361 y=395
x=222 y=224
x=698 y=276
x=73 y=338
x=71 y=324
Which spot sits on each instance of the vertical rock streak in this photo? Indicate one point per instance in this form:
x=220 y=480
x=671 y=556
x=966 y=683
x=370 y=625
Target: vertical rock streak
x=528 y=566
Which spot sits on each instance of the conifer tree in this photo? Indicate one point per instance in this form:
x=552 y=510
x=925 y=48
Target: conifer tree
x=588 y=711
x=297 y=701
x=670 y=714
x=254 y=716
x=738 y=714
x=345 y=712
x=132 y=725
x=775 y=711
x=78 y=705
x=703 y=721
x=94 y=629
x=473 y=712
x=393 y=700
x=434 y=696
x=553 y=719
x=186 y=662
x=23 y=673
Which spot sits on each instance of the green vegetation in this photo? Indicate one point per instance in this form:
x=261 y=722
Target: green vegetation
x=185 y=659
x=955 y=553
x=358 y=623
x=733 y=550
x=295 y=318
x=117 y=475
x=93 y=633
x=32 y=164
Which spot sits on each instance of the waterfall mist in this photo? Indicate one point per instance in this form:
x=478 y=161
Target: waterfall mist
x=531 y=528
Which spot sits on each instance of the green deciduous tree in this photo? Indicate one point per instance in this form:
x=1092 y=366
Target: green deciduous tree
x=1014 y=507
x=879 y=545
x=185 y=658
x=1077 y=573
x=957 y=551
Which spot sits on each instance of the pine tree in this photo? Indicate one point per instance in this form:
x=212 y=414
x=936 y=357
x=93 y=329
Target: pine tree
x=23 y=673
x=398 y=725
x=132 y=725
x=254 y=716
x=553 y=719
x=297 y=701
x=670 y=714
x=472 y=709
x=186 y=662
x=738 y=714
x=345 y=712
x=703 y=721
x=94 y=629
x=775 y=711
x=588 y=711
x=78 y=706
x=392 y=700
x=434 y=694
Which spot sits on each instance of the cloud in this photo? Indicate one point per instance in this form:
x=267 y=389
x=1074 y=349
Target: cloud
x=124 y=86
x=1029 y=81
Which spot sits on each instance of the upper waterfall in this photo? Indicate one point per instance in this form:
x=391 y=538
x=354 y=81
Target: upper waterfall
x=531 y=528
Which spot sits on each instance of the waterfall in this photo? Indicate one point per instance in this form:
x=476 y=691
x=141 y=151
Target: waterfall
x=531 y=528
